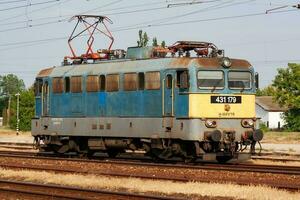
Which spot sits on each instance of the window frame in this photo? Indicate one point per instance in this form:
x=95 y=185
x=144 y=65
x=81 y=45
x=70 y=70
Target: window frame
x=139 y=85
x=67 y=79
x=209 y=88
x=125 y=86
x=102 y=87
x=72 y=89
x=146 y=82
x=54 y=88
x=240 y=88
x=106 y=83
x=38 y=85
x=89 y=86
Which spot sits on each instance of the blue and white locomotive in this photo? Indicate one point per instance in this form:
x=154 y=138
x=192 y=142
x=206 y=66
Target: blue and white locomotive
x=193 y=107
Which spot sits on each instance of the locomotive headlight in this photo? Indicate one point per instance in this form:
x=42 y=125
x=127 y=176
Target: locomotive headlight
x=247 y=123
x=226 y=62
x=210 y=123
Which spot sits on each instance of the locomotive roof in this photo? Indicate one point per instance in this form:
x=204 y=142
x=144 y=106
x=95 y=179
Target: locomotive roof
x=125 y=65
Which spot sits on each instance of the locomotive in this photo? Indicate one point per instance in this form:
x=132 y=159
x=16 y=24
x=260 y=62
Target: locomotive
x=187 y=100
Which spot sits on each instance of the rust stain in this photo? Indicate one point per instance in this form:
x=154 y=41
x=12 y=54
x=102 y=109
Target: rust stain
x=216 y=63
x=237 y=63
x=45 y=72
x=185 y=62
x=181 y=62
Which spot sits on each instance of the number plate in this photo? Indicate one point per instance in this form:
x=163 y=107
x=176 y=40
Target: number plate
x=225 y=99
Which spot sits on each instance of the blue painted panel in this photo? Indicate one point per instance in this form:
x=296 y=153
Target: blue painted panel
x=181 y=104
x=38 y=107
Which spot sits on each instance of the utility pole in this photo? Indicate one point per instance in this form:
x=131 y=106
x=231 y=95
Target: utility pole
x=18 y=120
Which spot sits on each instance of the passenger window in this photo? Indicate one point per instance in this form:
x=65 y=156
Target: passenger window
x=152 y=80
x=57 y=85
x=67 y=84
x=92 y=84
x=169 y=81
x=182 y=79
x=141 y=81
x=112 y=82
x=102 y=82
x=130 y=81
x=76 y=84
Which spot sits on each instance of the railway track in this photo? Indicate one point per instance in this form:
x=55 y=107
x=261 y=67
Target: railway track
x=241 y=167
x=269 y=158
x=50 y=191
x=16 y=146
x=295 y=171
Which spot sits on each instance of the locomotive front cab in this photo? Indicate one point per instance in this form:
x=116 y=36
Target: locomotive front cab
x=222 y=107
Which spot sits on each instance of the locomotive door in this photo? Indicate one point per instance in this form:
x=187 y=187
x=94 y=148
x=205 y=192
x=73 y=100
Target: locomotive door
x=45 y=99
x=168 y=95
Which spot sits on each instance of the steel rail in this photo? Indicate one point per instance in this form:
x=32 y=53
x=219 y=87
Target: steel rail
x=67 y=192
x=150 y=176
x=295 y=187
x=240 y=167
x=275 y=159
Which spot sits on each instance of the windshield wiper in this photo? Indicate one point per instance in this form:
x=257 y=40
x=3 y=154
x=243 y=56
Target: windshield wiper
x=243 y=88
x=215 y=86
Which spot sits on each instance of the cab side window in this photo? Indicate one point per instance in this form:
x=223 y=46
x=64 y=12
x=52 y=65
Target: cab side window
x=182 y=78
x=152 y=80
x=38 y=86
x=57 y=85
x=76 y=84
x=112 y=82
x=92 y=83
x=130 y=81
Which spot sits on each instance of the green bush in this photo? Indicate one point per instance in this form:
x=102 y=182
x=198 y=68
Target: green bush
x=263 y=127
x=26 y=110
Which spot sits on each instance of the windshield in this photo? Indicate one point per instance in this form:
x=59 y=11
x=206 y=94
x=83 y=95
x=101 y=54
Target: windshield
x=210 y=79
x=239 y=80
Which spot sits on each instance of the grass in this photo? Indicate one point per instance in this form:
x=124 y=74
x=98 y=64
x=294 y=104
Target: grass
x=282 y=137
x=142 y=186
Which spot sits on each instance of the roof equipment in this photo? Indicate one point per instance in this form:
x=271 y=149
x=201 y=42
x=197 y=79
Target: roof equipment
x=91 y=24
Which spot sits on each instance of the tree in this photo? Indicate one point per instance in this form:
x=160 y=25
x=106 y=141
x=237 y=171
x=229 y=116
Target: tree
x=140 y=41
x=163 y=44
x=154 y=42
x=143 y=39
x=287 y=86
x=267 y=91
x=26 y=110
x=9 y=86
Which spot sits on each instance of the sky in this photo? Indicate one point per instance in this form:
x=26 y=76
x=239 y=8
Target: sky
x=33 y=33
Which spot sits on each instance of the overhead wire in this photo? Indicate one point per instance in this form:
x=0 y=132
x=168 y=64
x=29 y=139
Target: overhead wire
x=35 y=10
x=28 y=5
x=106 y=5
x=15 y=1
x=45 y=23
x=210 y=8
x=147 y=26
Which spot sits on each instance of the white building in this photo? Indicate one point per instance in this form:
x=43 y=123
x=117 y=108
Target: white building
x=270 y=112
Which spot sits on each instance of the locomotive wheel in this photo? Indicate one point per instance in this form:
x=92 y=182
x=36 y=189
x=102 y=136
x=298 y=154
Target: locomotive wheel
x=223 y=159
x=112 y=153
x=160 y=154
